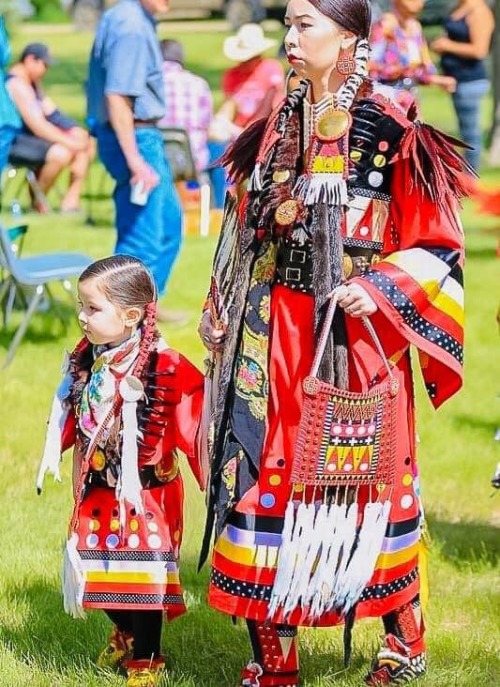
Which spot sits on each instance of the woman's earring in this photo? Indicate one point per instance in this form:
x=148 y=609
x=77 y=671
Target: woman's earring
x=345 y=62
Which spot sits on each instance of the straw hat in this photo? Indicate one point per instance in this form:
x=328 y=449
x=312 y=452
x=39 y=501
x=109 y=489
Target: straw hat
x=248 y=42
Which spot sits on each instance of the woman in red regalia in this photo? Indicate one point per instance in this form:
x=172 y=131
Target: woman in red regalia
x=348 y=198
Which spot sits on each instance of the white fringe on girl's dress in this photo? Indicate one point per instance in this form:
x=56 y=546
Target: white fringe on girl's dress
x=326 y=558
x=73 y=582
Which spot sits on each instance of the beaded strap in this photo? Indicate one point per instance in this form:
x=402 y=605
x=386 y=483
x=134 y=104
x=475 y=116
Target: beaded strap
x=325 y=330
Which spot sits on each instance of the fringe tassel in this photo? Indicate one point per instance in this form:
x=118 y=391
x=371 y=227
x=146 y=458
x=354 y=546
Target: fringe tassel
x=255 y=182
x=325 y=558
x=73 y=581
x=327 y=188
x=129 y=485
x=51 y=458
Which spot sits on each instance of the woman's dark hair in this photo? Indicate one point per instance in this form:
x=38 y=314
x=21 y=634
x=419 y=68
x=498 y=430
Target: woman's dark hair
x=124 y=280
x=352 y=15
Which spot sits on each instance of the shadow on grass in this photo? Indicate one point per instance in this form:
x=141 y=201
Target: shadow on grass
x=44 y=634
x=477 y=423
x=44 y=327
x=466 y=542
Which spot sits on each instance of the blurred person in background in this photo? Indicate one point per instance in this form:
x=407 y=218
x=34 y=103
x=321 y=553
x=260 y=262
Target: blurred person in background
x=188 y=101
x=10 y=121
x=399 y=53
x=252 y=88
x=125 y=101
x=49 y=139
x=469 y=29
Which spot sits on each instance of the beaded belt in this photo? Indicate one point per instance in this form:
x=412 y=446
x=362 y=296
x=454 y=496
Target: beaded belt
x=294 y=266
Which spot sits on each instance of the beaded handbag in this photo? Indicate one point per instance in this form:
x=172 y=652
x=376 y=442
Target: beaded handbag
x=346 y=438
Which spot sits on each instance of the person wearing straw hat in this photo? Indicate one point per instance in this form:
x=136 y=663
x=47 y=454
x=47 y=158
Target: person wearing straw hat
x=252 y=88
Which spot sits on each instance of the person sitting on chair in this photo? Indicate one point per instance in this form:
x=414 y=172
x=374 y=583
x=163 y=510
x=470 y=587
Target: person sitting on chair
x=188 y=101
x=50 y=141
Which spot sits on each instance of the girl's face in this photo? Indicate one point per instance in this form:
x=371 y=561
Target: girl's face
x=313 y=40
x=104 y=322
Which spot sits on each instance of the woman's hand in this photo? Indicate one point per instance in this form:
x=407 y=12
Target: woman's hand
x=355 y=300
x=441 y=45
x=212 y=338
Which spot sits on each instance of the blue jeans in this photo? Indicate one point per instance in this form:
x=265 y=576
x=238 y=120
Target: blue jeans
x=217 y=175
x=467 y=101
x=153 y=232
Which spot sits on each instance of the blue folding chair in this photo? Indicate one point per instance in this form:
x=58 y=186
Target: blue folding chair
x=30 y=277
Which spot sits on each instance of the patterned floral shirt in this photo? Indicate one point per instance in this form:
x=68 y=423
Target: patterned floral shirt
x=399 y=51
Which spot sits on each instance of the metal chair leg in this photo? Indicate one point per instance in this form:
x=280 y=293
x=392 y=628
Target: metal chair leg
x=33 y=305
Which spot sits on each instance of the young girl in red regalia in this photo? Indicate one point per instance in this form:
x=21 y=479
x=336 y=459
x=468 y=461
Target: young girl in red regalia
x=127 y=403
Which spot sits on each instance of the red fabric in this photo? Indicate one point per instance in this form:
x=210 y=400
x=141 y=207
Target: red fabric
x=292 y=349
x=247 y=85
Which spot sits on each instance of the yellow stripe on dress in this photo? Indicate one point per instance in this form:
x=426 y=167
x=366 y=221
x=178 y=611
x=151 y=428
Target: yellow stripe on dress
x=133 y=578
x=392 y=560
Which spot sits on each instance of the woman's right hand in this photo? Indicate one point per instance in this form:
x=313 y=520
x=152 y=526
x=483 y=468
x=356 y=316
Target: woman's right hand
x=213 y=339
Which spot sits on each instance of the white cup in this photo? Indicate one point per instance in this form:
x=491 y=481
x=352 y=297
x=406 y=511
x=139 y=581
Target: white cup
x=138 y=195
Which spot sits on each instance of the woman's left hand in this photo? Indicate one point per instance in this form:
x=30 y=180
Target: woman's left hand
x=355 y=300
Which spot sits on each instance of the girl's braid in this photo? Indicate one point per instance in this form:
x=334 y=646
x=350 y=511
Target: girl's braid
x=149 y=338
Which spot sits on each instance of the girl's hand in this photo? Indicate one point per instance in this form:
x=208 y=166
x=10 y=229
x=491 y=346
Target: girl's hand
x=355 y=300
x=212 y=338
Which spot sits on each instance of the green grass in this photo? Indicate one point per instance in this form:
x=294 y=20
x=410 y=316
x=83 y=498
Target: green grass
x=42 y=647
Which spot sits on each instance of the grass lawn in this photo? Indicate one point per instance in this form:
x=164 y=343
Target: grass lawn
x=42 y=647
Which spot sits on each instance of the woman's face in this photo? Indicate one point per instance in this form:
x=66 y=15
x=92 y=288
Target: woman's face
x=313 y=40
x=408 y=8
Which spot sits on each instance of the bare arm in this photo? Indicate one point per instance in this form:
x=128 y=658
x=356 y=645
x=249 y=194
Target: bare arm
x=32 y=115
x=121 y=118
x=481 y=24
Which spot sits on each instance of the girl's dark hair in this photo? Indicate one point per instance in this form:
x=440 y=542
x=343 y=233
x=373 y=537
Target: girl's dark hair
x=352 y=15
x=127 y=282
x=124 y=280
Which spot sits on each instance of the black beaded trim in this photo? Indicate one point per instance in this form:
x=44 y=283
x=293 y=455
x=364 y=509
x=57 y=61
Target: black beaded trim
x=261 y=592
x=96 y=597
x=163 y=556
x=360 y=243
x=370 y=193
x=412 y=317
x=380 y=591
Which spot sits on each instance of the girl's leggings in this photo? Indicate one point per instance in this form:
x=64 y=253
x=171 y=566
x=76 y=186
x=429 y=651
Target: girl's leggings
x=144 y=626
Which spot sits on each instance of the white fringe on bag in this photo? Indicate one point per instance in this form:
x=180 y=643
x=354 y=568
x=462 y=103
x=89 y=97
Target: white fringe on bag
x=73 y=581
x=326 y=558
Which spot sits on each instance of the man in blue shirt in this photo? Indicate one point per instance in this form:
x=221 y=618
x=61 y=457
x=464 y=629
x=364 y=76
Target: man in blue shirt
x=125 y=100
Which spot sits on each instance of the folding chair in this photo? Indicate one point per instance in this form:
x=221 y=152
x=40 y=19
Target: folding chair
x=183 y=167
x=17 y=168
x=32 y=276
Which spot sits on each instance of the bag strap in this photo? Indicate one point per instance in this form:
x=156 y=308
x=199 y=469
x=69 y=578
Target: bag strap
x=325 y=330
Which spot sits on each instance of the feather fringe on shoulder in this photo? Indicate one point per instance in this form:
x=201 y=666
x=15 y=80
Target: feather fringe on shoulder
x=435 y=165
